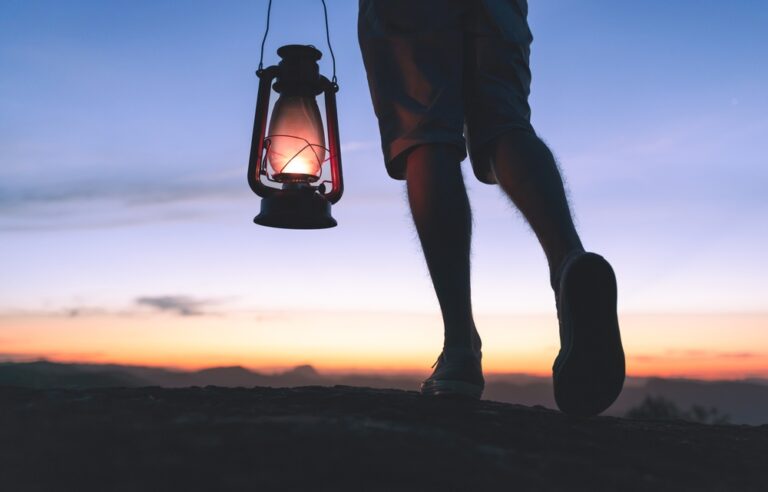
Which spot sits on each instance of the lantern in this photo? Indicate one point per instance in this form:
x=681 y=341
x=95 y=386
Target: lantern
x=287 y=166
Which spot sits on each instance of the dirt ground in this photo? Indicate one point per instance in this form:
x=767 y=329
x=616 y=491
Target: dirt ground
x=345 y=438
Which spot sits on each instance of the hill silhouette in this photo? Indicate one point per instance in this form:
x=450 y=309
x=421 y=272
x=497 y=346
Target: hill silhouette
x=344 y=438
x=745 y=402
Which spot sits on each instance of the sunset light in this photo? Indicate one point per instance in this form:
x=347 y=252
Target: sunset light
x=383 y=245
x=126 y=229
x=332 y=342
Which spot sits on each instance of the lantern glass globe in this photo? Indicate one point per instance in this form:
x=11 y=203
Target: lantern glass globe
x=296 y=139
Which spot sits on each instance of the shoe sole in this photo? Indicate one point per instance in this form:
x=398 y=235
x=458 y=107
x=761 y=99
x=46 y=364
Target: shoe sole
x=452 y=389
x=588 y=374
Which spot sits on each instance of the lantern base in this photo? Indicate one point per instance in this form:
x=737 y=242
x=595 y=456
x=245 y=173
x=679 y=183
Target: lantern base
x=302 y=208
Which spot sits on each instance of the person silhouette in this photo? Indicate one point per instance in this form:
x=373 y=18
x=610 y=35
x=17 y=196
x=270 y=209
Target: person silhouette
x=449 y=78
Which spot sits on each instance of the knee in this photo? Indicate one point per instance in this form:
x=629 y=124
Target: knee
x=518 y=152
x=514 y=141
x=436 y=162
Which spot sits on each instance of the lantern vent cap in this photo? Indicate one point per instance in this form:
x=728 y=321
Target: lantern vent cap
x=306 y=51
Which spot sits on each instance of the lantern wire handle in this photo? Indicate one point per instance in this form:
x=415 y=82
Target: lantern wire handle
x=264 y=39
x=327 y=38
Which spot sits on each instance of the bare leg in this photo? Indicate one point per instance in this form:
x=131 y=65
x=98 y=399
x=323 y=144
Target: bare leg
x=588 y=373
x=443 y=220
x=526 y=170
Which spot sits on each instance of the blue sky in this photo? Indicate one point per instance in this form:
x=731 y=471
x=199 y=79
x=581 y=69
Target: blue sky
x=125 y=127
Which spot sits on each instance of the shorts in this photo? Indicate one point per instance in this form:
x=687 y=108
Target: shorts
x=446 y=71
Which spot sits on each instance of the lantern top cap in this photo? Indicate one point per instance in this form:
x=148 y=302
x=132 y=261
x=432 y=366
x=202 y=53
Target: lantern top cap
x=299 y=51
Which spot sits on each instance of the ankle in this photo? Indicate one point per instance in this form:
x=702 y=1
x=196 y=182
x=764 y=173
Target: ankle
x=558 y=264
x=467 y=341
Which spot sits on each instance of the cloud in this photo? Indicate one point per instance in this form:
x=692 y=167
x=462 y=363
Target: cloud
x=118 y=203
x=127 y=193
x=62 y=312
x=695 y=354
x=712 y=354
x=89 y=223
x=137 y=307
x=181 y=305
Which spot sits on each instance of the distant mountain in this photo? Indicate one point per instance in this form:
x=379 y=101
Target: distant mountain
x=44 y=374
x=746 y=402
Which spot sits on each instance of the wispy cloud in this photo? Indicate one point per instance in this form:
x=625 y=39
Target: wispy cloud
x=138 y=307
x=181 y=305
x=695 y=354
x=62 y=312
x=90 y=223
x=110 y=203
x=127 y=193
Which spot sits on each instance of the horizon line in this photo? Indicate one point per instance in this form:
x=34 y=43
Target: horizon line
x=325 y=372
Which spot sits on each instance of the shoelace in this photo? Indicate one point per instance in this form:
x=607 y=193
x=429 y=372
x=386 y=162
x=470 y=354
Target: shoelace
x=438 y=360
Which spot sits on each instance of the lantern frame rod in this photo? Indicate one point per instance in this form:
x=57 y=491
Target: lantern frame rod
x=256 y=162
x=334 y=146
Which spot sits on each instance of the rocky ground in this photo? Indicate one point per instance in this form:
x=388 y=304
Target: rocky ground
x=346 y=438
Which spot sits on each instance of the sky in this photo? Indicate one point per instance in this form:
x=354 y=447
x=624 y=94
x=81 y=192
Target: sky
x=126 y=229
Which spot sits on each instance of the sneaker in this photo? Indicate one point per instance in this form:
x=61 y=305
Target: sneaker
x=458 y=373
x=588 y=373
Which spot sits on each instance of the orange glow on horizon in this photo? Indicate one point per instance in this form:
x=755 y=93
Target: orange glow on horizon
x=387 y=344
